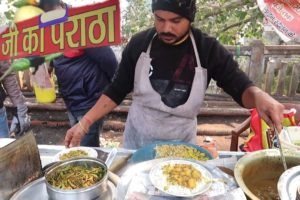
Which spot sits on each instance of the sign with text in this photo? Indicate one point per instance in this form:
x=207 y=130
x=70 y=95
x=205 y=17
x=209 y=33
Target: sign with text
x=284 y=15
x=63 y=30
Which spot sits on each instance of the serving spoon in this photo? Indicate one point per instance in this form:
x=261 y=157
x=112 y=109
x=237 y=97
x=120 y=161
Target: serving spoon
x=280 y=149
x=109 y=160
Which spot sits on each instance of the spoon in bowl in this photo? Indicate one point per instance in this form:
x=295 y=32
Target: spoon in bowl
x=280 y=149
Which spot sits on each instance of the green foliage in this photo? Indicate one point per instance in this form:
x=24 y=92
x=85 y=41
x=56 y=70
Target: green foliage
x=7 y=14
x=137 y=17
x=229 y=21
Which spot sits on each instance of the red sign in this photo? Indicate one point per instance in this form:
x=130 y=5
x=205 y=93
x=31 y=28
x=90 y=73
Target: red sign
x=284 y=15
x=63 y=30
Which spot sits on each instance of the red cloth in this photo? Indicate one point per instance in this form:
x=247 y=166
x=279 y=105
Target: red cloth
x=74 y=53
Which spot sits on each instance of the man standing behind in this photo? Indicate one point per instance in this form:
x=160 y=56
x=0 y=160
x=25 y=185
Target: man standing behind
x=81 y=76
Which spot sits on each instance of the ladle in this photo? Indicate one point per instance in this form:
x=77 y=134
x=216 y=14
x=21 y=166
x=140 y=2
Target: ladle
x=111 y=156
x=109 y=160
x=280 y=150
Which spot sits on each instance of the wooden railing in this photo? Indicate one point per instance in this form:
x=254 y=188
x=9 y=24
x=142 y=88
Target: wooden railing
x=273 y=68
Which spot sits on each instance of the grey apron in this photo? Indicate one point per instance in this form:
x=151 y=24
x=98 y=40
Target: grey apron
x=150 y=120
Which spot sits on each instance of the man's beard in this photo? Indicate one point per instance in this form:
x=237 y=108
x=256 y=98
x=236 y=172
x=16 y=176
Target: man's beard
x=167 y=34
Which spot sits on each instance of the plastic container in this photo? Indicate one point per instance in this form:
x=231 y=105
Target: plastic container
x=45 y=95
x=290 y=139
x=43 y=85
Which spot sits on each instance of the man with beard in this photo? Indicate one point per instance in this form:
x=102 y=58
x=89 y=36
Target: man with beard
x=168 y=69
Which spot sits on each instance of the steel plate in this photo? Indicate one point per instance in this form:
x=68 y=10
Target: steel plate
x=37 y=191
x=288 y=183
x=135 y=170
x=148 y=152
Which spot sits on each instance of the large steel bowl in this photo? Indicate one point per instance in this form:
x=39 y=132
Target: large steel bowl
x=87 y=193
x=257 y=173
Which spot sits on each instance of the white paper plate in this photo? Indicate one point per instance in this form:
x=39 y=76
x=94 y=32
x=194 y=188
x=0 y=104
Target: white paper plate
x=90 y=151
x=5 y=141
x=160 y=181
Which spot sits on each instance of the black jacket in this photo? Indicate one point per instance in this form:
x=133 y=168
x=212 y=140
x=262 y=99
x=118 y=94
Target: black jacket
x=82 y=79
x=214 y=57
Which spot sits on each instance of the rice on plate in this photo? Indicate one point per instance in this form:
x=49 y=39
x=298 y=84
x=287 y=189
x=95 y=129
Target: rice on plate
x=75 y=152
x=179 y=177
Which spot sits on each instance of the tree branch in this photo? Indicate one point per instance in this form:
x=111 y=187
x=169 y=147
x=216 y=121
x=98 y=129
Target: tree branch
x=227 y=6
x=238 y=23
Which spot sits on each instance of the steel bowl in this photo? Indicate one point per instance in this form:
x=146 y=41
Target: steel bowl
x=262 y=169
x=87 y=193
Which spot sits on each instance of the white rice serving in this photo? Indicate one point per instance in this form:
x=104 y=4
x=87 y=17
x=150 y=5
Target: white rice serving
x=159 y=180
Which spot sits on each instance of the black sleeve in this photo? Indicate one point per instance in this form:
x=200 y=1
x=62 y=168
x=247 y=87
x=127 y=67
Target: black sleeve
x=224 y=70
x=105 y=58
x=123 y=81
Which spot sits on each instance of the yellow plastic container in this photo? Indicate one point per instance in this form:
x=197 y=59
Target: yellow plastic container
x=45 y=95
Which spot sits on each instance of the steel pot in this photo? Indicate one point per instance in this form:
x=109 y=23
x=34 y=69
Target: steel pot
x=259 y=171
x=87 y=193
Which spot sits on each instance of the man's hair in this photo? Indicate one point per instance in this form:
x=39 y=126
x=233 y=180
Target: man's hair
x=184 y=8
x=50 y=3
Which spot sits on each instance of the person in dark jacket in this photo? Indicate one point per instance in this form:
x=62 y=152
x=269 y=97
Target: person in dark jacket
x=168 y=68
x=82 y=75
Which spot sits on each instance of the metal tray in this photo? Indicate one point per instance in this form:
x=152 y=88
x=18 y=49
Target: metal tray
x=37 y=191
x=288 y=183
x=137 y=170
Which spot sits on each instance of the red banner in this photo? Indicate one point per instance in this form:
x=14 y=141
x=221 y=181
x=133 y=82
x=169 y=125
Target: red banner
x=284 y=15
x=63 y=30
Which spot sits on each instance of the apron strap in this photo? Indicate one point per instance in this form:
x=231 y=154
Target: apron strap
x=195 y=50
x=150 y=45
x=193 y=43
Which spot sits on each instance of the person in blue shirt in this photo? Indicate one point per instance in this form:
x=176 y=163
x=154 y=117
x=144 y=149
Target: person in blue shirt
x=82 y=75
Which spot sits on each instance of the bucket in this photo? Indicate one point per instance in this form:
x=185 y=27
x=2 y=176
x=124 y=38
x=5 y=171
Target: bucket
x=45 y=95
x=43 y=85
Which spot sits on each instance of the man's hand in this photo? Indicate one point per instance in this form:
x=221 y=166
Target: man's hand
x=269 y=110
x=74 y=135
x=267 y=107
x=21 y=121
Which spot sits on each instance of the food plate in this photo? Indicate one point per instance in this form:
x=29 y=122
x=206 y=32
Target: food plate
x=288 y=183
x=148 y=152
x=159 y=179
x=90 y=152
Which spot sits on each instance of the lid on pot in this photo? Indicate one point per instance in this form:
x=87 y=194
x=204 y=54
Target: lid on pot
x=289 y=184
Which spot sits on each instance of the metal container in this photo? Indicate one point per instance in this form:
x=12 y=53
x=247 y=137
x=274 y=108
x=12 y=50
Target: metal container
x=87 y=193
x=256 y=167
x=289 y=184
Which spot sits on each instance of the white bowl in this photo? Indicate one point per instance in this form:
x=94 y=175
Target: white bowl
x=90 y=152
x=289 y=137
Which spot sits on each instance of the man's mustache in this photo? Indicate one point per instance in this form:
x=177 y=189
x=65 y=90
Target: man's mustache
x=166 y=34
